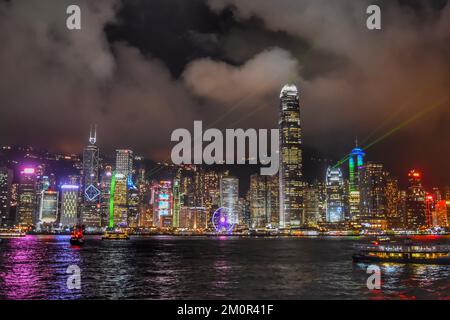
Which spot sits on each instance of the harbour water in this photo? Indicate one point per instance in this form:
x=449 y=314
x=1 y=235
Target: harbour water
x=171 y=267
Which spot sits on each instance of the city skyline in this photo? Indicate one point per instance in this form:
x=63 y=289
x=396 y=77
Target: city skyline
x=127 y=194
x=237 y=150
x=129 y=80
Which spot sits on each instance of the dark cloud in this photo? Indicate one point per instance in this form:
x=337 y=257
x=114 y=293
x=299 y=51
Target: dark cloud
x=143 y=68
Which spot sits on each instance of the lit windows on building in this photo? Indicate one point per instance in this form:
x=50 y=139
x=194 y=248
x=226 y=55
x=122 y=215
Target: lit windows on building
x=415 y=202
x=290 y=173
x=48 y=207
x=27 y=202
x=162 y=199
x=335 y=195
x=69 y=205
x=124 y=162
x=6 y=176
x=229 y=197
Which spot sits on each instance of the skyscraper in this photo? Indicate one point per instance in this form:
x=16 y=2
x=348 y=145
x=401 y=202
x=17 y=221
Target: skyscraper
x=69 y=205
x=162 y=198
x=176 y=200
x=27 y=204
x=91 y=167
x=118 y=201
x=335 y=195
x=393 y=212
x=105 y=188
x=356 y=168
x=6 y=176
x=373 y=196
x=124 y=162
x=290 y=173
x=122 y=197
x=263 y=201
x=258 y=201
x=90 y=213
x=415 y=202
x=48 y=207
x=312 y=205
x=229 y=197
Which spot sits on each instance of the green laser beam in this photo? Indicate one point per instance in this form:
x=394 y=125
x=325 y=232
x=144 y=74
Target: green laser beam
x=397 y=128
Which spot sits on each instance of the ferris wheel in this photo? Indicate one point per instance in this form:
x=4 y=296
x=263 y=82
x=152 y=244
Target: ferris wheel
x=222 y=221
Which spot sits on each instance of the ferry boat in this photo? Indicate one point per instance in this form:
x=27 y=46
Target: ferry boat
x=11 y=233
x=407 y=252
x=115 y=235
x=76 y=236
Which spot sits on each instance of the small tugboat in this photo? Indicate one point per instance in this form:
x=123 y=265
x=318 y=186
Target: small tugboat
x=115 y=235
x=76 y=236
x=407 y=252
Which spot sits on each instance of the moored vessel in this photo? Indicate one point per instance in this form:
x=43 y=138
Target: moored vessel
x=115 y=235
x=407 y=252
x=11 y=233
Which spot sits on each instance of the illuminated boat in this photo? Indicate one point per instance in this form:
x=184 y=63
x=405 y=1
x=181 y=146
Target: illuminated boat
x=11 y=233
x=403 y=253
x=115 y=235
x=76 y=237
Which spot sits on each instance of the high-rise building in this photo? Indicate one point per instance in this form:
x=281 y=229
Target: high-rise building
x=48 y=207
x=258 y=201
x=443 y=213
x=415 y=202
x=430 y=210
x=229 y=197
x=162 y=199
x=133 y=202
x=373 y=197
x=90 y=209
x=124 y=162
x=312 y=206
x=6 y=176
x=393 y=212
x=356 y=169
x=145 y=206
x=176 y=200
x=290 y=172
x=402 y=209
x=27 y=204
x=105 y=189
x=335 y=195
x=91 y=167
x=69 y=205
x=118 y=215
x=273 y=201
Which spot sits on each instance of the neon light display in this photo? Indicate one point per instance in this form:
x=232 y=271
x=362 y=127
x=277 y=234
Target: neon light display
x=111 y=201
x=92 y=193
x=69 y=186
x=357 y=155
x=28 y=171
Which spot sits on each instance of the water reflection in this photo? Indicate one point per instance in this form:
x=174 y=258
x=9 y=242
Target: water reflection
x=167 y=267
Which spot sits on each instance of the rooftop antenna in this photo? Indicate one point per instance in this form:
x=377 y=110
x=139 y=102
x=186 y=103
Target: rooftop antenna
x=93 y=134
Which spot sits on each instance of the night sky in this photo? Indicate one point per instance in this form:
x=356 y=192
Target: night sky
x=142 y=68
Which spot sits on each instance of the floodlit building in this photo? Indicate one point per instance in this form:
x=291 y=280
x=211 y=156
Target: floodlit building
x=229 y=197
x=335 y=195
x=69 y=205
x=290 y=172
x=27 y=202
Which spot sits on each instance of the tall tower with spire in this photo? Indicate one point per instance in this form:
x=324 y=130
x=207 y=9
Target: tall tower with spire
x=356 y=171
x=290 y=173
x=90 y=215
